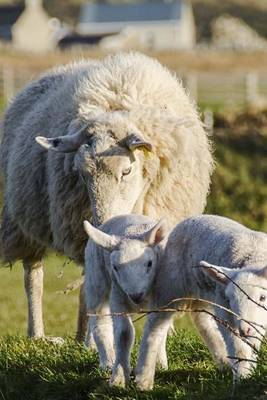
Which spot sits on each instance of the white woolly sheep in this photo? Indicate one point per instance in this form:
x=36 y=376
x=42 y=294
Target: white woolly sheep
x=120 y=266
x=228 y=250
x=102 y=119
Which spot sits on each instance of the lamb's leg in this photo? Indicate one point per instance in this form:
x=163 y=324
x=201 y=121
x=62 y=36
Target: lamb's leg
x=155 y=329
x=209 y=331
x=101 y=327
x=33 y=281
x=82 y=322
x=124 y=338
x=162 y=360
x=124 y=335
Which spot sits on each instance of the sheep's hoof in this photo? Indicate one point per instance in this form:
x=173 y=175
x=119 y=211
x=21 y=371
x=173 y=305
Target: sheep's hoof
x=144 y=383
x=119 y=377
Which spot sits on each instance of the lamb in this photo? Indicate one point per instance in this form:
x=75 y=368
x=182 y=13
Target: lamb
x=221 y=248
x=120 y=268
x=122 y=137
x=187 y=267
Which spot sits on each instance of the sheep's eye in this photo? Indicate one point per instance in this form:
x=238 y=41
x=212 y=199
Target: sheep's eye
x=87 y=145
x=263 y=297
x=115 y=268
x=149 y=264
x=126 y=171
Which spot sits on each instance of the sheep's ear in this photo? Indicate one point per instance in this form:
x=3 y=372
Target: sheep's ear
x=263 y=272
x=135 y=141
x=156 y=234
x=63 y=144
x=219 y=274
x=102 y=239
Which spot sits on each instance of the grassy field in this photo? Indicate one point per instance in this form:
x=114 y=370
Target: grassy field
x=32 y=370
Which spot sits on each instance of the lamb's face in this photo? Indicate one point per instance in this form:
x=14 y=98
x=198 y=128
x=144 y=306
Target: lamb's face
x=250 y=303
x=246 y=293
x=132 y=260
x=134 y=267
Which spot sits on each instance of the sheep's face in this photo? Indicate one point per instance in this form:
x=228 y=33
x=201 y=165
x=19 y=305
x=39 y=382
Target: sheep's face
x=132 y=260
x=246 y=294
x=113 y=175
x=134 y=267
x=109 y=156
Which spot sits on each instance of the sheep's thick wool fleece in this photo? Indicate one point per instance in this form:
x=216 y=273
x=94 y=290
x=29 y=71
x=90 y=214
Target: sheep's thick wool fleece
x=151 y=97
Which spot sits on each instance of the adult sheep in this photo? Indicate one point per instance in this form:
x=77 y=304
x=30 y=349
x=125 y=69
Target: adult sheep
x=102 y=119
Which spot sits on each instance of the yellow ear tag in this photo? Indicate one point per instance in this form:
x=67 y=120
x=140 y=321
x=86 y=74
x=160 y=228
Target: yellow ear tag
x=147 y=153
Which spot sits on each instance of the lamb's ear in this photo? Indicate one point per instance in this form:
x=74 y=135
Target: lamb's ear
x=102 y=239
x=135 y=141
x=63 y=144
x=263 y=272
x=218 y=274
x=156 y=234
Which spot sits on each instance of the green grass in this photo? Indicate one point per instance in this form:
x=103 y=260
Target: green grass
x=31 y=370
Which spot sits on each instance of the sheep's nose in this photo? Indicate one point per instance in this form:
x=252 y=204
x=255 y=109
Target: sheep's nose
x=137 y=297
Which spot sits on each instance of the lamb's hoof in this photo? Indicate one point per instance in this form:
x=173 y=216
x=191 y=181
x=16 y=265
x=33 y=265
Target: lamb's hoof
x=222 y=363
x=54 y=340
x=119 y=377
x=243 y=371
x=144 y=383
x=162 y=364
x=106 y=365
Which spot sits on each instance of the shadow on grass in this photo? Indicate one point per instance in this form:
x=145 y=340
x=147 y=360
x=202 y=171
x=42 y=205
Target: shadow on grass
x=34 y=370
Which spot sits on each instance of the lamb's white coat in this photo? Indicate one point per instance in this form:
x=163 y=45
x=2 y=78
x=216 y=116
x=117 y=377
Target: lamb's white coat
x=225 y=246
x=120 y=268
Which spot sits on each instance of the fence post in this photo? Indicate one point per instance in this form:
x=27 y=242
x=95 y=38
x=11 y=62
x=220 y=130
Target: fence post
x=192 y=85
x=8 y=84
x=252 y=87
x=209 y=120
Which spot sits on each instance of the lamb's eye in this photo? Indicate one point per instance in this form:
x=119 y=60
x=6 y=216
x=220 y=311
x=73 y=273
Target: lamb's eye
x=126 y=171
x=149 y=264
x=262 y=297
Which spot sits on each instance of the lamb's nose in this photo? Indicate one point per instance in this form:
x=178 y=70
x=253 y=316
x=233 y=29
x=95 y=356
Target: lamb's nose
x=137 y=297
x=245 y=331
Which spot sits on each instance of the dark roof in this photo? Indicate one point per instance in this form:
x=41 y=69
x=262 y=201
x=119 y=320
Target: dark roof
x=9 y=14
x=156 y=11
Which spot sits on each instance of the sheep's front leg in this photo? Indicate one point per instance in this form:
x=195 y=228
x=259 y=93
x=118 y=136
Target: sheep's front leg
x=33 y=282
x=155 y=331
x=82 y=322
x=124 y=335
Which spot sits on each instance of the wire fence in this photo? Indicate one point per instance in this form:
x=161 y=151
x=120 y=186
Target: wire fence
x=212 y=89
